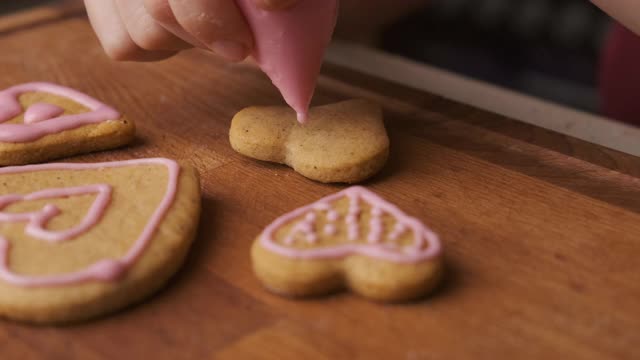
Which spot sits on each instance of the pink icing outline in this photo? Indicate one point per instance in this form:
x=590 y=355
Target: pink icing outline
x=37 y=220
x=409 y=254
x=107 y=269
x=10 y=107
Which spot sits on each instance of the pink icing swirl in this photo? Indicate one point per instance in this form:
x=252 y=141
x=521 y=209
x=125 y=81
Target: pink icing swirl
x=425 y=244
x=44 y=119
x=103 y=270
x=37 y=220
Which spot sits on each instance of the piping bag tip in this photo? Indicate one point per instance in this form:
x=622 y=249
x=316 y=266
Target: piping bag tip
x=290 y=46
x=303 y=117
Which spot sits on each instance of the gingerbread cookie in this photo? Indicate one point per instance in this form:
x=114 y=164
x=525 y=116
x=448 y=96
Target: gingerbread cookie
x=352 y=239
x=82 y=240
x=340 y=143
x=43 y=121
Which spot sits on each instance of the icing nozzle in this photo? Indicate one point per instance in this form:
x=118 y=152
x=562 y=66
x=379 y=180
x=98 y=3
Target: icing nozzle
x=290 y=46
x=303 y=117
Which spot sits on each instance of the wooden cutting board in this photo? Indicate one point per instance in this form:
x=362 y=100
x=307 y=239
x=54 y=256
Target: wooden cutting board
x=541 y=231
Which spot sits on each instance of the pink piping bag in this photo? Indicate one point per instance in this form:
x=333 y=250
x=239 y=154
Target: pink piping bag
x=290 y=46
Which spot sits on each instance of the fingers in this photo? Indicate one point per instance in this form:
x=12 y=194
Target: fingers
x=276 y=4
x=147 y=30
x=161 y=12
x=144 y=30
x=218 y=24
x=113 y=35
x=626 y=12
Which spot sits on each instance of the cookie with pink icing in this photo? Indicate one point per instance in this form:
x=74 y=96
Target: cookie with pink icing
x=81 y=240
x=352 y=239
x=43 y=121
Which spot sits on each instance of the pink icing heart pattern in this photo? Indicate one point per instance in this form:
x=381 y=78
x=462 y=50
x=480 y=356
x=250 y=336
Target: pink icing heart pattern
x=43 y=119
x=380 y=243
x=104 y=270
x=37 y=220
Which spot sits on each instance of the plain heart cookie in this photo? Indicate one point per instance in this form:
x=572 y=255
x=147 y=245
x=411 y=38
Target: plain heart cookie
x=43 y=121
x=353 y=239
x=82 y=240
x=344 y=142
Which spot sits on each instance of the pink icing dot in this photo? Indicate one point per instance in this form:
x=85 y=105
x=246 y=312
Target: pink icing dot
x=352 y=218
x=306 y=228
x=40 y=112
x=51 y=209
x=330 y=229
x=352 y=227
x=375 y=225
x=375 y=232
x=332 y=216
x=322 y=207
x=310 y=217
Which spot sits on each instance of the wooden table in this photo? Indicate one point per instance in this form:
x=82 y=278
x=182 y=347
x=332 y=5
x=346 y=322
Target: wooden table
x=541 y=231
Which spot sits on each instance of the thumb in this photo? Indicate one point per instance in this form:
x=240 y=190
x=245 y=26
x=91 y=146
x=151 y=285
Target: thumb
x=276 y=4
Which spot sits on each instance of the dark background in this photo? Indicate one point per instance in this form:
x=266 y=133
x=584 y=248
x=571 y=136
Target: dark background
x=546 y=48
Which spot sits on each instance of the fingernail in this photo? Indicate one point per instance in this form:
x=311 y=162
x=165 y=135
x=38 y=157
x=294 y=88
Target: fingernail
x=230 y=50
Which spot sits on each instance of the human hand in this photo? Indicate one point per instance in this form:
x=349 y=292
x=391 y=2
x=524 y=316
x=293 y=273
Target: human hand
x=627 y=12
x=149 y=30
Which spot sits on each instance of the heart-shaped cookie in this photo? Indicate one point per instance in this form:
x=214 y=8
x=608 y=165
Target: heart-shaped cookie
x=43 y=121
x=80 y=240
x=351 y=239
x=344 y=142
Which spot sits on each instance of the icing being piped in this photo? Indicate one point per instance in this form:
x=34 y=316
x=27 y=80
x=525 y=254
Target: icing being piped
x=290 y=46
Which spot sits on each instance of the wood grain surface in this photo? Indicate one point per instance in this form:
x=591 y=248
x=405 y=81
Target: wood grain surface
x=541 y=232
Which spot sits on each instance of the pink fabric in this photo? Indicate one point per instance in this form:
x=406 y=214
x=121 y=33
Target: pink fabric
x=620 y=76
